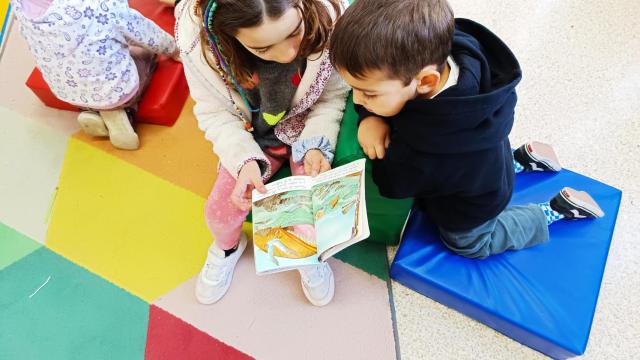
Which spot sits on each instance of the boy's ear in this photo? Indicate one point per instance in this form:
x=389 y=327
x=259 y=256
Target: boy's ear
x=428 y=79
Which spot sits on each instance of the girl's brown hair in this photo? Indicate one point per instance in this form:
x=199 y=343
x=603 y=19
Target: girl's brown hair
x=232 y=15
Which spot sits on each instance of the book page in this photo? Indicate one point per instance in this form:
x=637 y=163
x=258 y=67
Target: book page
x=362 y=231
x=337 y=204
x=282 y=185
x=284 y=235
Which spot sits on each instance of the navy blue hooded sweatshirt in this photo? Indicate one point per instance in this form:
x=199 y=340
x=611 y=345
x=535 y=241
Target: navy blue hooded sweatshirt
x=452 y=152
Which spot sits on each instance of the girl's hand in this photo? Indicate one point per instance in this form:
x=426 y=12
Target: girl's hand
x=249 y=178
x=315 y=163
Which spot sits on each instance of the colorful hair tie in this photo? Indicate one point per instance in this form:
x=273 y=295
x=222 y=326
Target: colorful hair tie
x=216 y=48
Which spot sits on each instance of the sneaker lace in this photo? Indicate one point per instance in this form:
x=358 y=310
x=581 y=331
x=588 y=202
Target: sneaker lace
x=313 y=276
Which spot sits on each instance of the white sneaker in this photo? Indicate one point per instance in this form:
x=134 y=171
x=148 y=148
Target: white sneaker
x=121 y=132
x=215 y=278
x=318 y=284
x=92 y=124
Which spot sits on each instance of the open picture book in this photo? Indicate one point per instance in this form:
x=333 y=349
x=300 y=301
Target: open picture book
x=303 y=220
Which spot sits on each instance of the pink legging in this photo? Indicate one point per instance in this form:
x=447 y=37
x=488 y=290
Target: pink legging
x=225 y=219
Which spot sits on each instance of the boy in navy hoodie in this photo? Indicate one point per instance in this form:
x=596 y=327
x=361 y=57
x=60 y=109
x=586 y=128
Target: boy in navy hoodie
x=436 y=99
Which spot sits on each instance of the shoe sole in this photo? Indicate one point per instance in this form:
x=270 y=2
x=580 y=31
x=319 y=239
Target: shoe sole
x=543 y=153
x=121 y=132
x=208 y=301
x=325 y=300
x=92 y=124
x=582 y=200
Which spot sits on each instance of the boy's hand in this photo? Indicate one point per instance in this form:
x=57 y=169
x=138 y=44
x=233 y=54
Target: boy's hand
x=249 y=178
x=373 y=136
x=315 y=163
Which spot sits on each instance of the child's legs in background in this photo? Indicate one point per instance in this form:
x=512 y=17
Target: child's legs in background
x=223 y=217
x=515 y=228
x=145 y=61
x=117 y=122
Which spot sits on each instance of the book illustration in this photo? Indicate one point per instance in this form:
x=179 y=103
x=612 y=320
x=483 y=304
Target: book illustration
x=284 y=226
x=336 y=206
x=301 y=220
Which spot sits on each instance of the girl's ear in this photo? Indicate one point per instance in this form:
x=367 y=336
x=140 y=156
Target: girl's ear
x=428 y=79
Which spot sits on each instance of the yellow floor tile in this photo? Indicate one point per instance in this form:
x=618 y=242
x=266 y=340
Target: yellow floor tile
x=137 y=230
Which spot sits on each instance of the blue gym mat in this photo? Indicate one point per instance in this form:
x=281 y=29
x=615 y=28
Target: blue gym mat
x=543 y=297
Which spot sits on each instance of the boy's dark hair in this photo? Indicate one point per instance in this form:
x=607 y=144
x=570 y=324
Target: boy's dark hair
x=398 y=37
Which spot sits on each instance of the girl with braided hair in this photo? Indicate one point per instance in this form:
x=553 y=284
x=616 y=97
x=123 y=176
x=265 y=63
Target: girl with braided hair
x=265 y=93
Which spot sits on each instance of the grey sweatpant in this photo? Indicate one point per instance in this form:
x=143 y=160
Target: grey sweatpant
x=515 y=228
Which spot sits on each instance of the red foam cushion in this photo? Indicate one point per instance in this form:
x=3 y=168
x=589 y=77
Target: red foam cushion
x=165 y=96
x=167 y=92
x=36 y=83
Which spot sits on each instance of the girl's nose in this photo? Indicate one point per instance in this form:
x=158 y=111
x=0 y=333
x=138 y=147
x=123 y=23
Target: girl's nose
x=288 y=56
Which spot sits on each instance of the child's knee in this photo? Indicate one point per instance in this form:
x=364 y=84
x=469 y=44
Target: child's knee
x=476 y=252
x=473 y=248
x=481 y=253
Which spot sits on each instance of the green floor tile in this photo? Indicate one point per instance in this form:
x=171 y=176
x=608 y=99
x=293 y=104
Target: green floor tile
x=367 y=256
x=75 y=315
x=14 y=246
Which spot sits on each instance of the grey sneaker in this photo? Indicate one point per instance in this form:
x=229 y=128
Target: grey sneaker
x=318 y=284
x=92 y=124
x=215 y=278
x=121 y=132
x=537 y=156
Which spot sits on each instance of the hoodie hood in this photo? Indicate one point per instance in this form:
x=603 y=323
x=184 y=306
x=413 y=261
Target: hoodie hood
x=458 y=122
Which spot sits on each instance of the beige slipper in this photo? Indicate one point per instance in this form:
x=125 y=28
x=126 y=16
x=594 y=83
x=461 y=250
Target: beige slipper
x=121 y=132
x=92 y=124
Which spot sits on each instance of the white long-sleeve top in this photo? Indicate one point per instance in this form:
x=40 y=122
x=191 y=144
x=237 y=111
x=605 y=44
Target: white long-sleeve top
x=81 y=48
x=312 y=121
